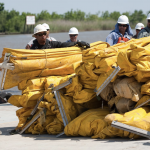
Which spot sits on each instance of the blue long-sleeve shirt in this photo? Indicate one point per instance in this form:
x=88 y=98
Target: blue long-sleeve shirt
x=112 y=38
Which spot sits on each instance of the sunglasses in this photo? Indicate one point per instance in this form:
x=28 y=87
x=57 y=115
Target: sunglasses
x=47 y=29
x=148 y=21
x=73 y=35
x=41 y=34
x=123 y=25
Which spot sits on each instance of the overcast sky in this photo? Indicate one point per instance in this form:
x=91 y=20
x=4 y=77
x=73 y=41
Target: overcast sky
x=88 y=6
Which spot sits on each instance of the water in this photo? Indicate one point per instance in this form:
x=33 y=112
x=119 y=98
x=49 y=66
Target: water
x=20 y=41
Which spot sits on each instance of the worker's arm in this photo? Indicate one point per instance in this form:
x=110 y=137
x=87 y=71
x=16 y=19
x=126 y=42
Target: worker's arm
x=143 y=33
x=110 y=39
x=57 y=44
x=27 y=46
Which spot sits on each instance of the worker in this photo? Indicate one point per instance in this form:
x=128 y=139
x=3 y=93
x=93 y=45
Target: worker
x=47 y=36
x=145 y=32
x=73 y=34
x=41 y=42
x=138 y=28
x=121 y=33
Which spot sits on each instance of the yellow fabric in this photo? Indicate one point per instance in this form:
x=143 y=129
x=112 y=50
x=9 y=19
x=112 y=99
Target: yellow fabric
x=88 y=123
x=142 y=100
x=128 y=116
x=56 y=80
x=138 y=51
x=47 y=62
x=37 y=128
x=68 y=104
x=59 y=66
x=26 y=100
x=110 y=131
x=143 y=123
x=140 y=56
x=103 y=65
x=137 y=118
x=55 y=127
x=86 y=75
x=142 y=76
x=23 y=114
x=13 y=79
x=104 y=76
x=123 y=61
x=36 y=70
x=84 y=96
x=89 y=55
x=74 y=87
x=32 y=85
x=145 y=88
x=69 y=107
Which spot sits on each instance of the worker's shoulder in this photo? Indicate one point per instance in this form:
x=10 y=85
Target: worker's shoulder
x=144 y=32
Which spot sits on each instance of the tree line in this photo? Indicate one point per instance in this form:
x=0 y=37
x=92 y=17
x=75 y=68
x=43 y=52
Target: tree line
x=14 y=22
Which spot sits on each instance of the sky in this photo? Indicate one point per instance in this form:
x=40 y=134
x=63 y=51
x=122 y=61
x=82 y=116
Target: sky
x=87 y=6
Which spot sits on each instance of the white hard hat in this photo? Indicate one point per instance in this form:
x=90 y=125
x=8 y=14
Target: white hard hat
x=39 y=28
x=139 y=26
x=148 y=16
x=46 y=26
x=73 y=30
x=123 y=19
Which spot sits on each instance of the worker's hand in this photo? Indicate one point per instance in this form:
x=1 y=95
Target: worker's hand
x=82 y=43
x=27 y=46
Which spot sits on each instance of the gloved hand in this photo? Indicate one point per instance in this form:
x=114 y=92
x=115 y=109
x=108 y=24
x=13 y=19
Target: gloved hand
x=82 y=43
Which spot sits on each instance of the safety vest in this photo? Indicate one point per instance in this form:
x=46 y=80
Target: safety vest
x=122 y=40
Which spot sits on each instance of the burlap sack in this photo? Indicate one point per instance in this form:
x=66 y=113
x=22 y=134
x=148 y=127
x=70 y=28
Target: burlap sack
x=128 y=88
x=108 y=92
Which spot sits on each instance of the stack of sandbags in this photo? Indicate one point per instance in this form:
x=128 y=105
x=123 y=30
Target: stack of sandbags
x=40 y=63
x=125 y=93
x=32 y=90
x=29 y=64
x=139 y=118
x=89 y=123
x=97 y=123
x=122 y=94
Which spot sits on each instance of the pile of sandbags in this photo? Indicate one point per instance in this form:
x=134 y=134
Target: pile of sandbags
x=86 y=112
x=33 y=89
x=97 y=123
x=123 y=94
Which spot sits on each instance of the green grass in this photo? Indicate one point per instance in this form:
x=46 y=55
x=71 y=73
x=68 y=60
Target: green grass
x=65 y=25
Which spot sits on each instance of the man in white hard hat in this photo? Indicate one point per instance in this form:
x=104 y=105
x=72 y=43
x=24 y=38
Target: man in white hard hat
x=73 y=33
x=121 y=33
x=138 y=28
x=145 y=31
x=48 y=37
x=41 y=42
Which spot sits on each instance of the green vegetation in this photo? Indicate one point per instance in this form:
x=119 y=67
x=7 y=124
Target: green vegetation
x=14 y=22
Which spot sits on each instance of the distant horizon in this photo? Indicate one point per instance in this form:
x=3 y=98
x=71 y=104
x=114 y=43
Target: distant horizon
x=89 y=6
